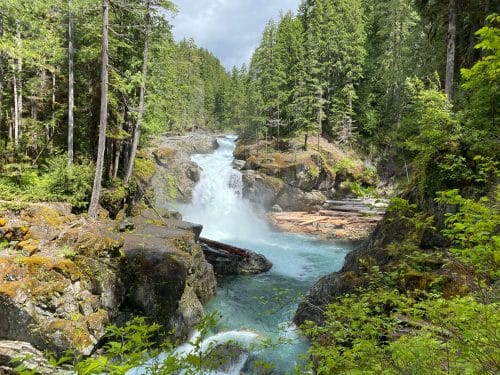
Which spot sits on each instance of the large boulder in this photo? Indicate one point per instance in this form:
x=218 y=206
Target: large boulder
x=225 y=263
x=295 y=199
x=261 y=189
x=168 y=276
x=15 y=353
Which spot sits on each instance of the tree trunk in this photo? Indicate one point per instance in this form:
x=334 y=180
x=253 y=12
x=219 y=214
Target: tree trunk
x=450 y=54
x=116 y=162
x=18 y=92
x=320 y=118
x=1 y=71
x=103 y=119
x=140 y=115
x=16 y=112
x=305 y=140
x=278 y=135
x=71 y=81
x=34 y=117
x=50 y=129
x=19 y=87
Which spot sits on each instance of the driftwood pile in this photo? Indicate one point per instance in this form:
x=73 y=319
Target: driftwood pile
x=344 y=220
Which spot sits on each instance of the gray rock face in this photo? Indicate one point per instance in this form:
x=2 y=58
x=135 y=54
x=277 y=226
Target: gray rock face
x=295 y=199
x=58 y=303
x=238 y=164
x=392 y=229
x=175 y=174
x=258 y=189
x=167 y=275
x=32 y=359
x=276 y=208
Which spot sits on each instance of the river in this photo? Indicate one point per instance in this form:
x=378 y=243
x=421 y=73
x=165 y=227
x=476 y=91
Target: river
x=262 y=305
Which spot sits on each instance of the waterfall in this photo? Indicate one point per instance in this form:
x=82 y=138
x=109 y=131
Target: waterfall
x=217 y=198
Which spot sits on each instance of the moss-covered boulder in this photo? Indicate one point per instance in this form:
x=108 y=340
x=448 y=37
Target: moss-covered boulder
x=167 y=275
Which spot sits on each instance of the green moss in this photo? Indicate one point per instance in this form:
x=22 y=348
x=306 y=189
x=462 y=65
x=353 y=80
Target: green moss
x=275 y=182
x=10 y=288
x=144 y=169
x=165 y=152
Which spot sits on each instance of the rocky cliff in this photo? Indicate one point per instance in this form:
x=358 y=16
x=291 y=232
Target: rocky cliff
x=402 y=244
x=298 y=180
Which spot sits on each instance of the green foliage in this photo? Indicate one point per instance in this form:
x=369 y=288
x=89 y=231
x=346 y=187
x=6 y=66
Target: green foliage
x=379 y=330
x=138 y=344
x=70 y=183
x=172 y=188
x=481 y=83
x=473 y=229
x=55 y=181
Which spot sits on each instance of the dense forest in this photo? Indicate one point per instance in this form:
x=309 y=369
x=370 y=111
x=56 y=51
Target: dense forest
x=414 y=85
x=75 y=72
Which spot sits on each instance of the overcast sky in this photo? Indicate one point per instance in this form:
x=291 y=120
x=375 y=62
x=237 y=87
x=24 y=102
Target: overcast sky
x=230 y=29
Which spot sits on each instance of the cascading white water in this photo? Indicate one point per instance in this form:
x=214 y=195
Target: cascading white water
x=217 y=202
x=261 y=305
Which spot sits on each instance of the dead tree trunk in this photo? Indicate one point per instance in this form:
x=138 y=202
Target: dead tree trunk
x=140 y=115
x=103 y=120
x=450 y=54
x=71 y=81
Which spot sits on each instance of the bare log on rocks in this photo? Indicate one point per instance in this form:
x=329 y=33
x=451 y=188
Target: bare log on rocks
x=228 y=248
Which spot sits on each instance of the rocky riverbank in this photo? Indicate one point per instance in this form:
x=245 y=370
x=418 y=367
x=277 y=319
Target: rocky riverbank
x=303 y=190
x=63 y=277
x=175 y=174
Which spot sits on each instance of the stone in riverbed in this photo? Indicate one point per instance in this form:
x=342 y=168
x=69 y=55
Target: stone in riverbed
x=225 y=263
x=276 y=208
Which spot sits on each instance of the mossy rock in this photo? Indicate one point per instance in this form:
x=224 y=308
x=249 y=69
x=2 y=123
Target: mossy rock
x=29 y=247
x=69 y=269
x=97 y=321
x=100 y=245
x=72 y=332
x=144 y=170
x=10 y=289
x=165 y=153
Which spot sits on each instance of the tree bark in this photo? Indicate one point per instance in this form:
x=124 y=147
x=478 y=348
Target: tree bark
x=71 y=81
x=140 y=115
x=116 y=162
x=450 y=54
x=1 y=72
x=18 y=92
x=16 y=112
x=103 y=119
x=50 y=127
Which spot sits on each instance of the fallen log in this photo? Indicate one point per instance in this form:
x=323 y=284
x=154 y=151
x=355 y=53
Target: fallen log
x=225 y=247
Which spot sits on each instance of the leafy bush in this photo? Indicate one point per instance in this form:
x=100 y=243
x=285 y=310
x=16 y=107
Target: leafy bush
x=56 y=181
x=473 y=229
x=70 y=183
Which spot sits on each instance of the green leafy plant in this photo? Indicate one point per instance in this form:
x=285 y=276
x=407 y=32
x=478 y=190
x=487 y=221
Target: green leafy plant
x=473 y=229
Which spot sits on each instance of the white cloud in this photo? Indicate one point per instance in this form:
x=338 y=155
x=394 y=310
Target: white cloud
x=230 y=29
